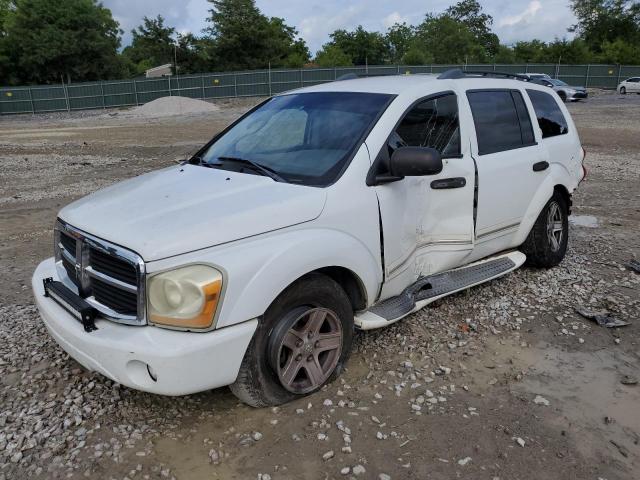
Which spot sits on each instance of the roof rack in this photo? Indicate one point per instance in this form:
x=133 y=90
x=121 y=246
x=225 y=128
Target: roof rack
x=456 y=73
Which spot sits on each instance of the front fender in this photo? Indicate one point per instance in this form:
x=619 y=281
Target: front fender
x=257 y=270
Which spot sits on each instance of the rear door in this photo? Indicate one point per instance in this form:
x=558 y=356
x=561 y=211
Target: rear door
x=511 y=165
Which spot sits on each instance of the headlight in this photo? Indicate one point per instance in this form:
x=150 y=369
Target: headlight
x=186 y=297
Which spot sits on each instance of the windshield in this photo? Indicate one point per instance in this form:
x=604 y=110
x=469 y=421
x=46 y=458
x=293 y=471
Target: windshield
x=558 y=83
x=304 y=138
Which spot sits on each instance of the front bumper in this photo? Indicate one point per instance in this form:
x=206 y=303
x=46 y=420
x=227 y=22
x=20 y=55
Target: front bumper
x=146 y=358
x=578 y=96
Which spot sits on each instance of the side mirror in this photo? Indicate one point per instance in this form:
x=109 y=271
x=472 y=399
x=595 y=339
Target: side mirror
x=415 y=162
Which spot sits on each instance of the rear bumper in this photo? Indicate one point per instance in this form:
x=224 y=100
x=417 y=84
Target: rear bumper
x=146 y=358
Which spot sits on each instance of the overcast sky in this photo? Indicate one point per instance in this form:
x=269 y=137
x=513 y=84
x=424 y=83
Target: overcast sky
x=315 y=19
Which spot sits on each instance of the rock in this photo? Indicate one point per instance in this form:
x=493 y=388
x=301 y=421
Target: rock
x=540 y=400
x=345 y=470
x=520 y=441
x=463 y=461
x=257 y=436
x=384 y=476
x=328 y=455
x=327 y=403
x=358 y=470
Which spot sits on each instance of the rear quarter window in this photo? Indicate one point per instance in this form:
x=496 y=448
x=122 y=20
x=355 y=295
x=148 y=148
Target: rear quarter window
x=550 y=118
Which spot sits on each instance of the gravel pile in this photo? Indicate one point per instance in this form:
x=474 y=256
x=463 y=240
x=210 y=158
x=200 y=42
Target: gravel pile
x=169 y=106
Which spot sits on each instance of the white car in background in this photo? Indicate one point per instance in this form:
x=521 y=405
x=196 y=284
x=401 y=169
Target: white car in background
x=339 y=206
x=630 y=85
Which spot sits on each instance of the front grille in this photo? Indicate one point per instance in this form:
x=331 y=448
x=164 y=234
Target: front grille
x=117 y=300
x=110 y=278
x=112 y=266
x=69 y=244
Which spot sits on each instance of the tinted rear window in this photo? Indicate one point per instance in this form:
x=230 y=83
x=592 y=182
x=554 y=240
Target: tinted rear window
x=501 y=120
x=550 y=117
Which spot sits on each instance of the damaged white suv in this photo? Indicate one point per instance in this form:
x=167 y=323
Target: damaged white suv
x=334 y=207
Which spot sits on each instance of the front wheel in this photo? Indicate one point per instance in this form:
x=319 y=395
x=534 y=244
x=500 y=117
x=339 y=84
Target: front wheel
x=623 y=91
x=546 y=244
x=301 y=343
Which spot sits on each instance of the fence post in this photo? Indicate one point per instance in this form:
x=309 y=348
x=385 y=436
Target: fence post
x=269 y=78
x=135 y=92
x=618 y=81
x=235 y=85
x=301 y=79
x=586 y=80
x=169 y=80
x=104 y=106
x=202 y=83
x=335 y=73
x=66 y=95
x=33 y=109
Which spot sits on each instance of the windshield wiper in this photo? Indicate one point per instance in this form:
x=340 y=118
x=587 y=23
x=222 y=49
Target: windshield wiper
x=257 y=167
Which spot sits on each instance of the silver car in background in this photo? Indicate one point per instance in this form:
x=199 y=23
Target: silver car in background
x=566 y=92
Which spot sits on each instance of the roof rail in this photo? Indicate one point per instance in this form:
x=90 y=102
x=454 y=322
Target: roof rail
x=456 y=73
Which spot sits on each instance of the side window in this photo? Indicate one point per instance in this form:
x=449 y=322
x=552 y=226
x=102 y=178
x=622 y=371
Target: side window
x=550 y=117
x=501 y=120
x=432 y=123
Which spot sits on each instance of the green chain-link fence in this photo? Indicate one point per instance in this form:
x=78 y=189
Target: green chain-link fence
x=123 y=93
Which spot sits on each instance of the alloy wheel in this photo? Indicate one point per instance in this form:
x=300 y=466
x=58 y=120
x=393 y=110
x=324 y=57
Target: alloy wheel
x=555 y=226
x=305 y=355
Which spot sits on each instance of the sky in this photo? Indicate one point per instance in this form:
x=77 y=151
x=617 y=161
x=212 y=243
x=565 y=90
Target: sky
x=315 y=19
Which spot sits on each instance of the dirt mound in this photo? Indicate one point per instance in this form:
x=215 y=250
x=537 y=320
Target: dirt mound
x=168 y=106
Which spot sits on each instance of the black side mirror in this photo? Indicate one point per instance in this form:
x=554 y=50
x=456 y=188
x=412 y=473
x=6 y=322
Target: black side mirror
x=415 y=162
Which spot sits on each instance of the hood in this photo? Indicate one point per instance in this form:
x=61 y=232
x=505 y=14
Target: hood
x=185 y=208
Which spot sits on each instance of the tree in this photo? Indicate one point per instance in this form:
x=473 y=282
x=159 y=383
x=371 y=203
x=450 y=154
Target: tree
x=530 y=51
x=448 y=41
x=75 y=39
x=469 y=13
x=415 y=56
x=192 y=53
x=601 y=21
x=399 y=39
x=333 y=56
x=152 y=44
x=361 y=46
x=243 y=38
x=619 y=52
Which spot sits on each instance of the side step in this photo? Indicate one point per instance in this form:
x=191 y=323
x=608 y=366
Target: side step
x=431 y=288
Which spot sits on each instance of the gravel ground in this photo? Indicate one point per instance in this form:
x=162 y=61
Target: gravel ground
x=504 y=381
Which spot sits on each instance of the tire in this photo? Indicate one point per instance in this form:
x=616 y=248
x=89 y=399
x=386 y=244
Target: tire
x=563 y=96
x=540 y=249
x=623 y=91
x=261 y=380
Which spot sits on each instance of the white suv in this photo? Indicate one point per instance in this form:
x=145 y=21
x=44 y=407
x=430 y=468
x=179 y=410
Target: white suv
x=333 y=207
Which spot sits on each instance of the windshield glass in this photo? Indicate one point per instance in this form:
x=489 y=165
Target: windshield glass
x=304 y=138
x=558 y=83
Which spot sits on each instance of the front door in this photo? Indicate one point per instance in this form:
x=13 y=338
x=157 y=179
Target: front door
x=511 y=166
x=427 y=221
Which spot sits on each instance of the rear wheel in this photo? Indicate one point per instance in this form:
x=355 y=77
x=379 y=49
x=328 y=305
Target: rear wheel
x=623 y=90
x=546 y=244
x=563 y=96
x=301 y=343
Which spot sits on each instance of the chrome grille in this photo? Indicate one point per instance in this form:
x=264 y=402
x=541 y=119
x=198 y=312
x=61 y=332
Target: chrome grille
x=108 y=277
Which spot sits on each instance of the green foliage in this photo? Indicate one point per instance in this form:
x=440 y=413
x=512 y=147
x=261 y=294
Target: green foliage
x=333 y=56
x=399 y=40
x=243 y=38
x=152 y=44
x=448 y=40
x=619 y=52
x=361 y=46
x=601 y=21
x=415 y=56
x=75 y=40
x=470 y=14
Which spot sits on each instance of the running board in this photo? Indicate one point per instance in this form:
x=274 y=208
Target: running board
x=431 y=288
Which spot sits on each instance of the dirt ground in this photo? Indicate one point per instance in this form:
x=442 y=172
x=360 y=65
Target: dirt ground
x=504 y=381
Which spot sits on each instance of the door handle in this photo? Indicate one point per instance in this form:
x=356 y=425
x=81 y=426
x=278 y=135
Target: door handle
x=444 y=183
x=540 y=166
